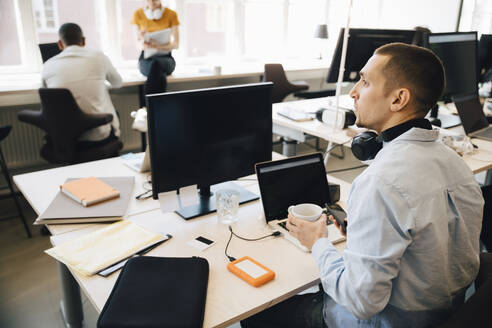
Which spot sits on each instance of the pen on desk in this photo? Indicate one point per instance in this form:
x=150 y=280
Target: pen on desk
x=115 y=267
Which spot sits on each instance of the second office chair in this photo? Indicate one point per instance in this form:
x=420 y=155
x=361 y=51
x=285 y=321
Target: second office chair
x=282 y=87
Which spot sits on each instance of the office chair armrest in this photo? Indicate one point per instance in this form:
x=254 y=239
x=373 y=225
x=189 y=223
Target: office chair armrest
x=301 y=84
x=315 y=94
x=90 y=121
x=33 y=117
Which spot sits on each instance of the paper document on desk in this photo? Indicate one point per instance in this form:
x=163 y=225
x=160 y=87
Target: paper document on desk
x=295 y=114
x=90 y=253
x=161 y=37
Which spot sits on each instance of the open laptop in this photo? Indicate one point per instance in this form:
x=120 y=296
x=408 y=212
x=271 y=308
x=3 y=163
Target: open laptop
x=472 y=116
x=48 y=50
x=292 y=181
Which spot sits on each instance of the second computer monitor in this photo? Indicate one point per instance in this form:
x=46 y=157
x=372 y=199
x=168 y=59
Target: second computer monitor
x=360 y=47
x=208 y=136
x=485 y=57
x=458 y=52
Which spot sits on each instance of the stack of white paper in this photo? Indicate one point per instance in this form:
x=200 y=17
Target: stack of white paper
x=90 y=253
x=161 y=37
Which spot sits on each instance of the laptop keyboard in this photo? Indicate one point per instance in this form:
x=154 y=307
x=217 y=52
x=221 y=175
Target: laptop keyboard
x=487 y=133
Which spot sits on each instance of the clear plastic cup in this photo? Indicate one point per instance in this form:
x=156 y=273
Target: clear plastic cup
x=227 y=205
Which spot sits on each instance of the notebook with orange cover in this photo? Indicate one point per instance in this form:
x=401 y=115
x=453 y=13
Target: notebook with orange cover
x=88 y=191
x=64 y=209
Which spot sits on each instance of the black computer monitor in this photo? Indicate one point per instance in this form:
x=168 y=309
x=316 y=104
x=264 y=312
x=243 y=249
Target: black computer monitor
x=48 y=50
x=485 y=57
x=361 y=45
x=206 y=137
x=458 y=52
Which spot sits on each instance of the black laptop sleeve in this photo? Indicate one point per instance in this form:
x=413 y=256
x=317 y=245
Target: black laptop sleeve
x=158 y=292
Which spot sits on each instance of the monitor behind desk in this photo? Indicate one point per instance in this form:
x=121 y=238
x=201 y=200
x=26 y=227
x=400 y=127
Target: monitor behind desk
x=443 y=120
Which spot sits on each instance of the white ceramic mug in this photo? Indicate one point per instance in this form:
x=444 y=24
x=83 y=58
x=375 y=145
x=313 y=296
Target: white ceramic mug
x=306 y=211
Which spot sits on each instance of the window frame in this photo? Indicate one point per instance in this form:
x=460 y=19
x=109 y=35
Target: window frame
x=44 y=28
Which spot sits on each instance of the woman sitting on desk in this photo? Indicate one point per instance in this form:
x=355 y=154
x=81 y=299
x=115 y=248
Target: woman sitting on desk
x=152 y=18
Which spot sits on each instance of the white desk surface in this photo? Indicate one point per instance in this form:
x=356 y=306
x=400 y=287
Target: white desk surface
x=229 y=299
x=313 y=127
x=41 y=187
x=480 y=160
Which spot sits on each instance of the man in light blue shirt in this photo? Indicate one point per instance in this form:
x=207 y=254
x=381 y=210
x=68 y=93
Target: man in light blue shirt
x=414 y=215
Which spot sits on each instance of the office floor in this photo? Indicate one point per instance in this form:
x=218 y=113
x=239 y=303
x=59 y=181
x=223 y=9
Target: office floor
x=29 y=285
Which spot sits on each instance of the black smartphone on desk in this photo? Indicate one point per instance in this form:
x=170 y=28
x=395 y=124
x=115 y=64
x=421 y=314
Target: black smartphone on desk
x=339 y=214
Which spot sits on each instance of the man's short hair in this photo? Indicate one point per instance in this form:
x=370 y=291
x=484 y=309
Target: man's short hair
x=415 y=68
x=70 y=34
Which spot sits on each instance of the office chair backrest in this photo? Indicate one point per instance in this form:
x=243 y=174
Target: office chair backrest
x=281 y=86
x=486 y=233
x=64 y=119
x=64 y=122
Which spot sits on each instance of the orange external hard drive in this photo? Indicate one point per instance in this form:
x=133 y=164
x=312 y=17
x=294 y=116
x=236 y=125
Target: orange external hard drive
x=252 y=272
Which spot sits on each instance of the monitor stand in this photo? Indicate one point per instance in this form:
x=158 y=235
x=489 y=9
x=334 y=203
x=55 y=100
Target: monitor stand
x=206 y=203
x=444 y=121
x=449 y=120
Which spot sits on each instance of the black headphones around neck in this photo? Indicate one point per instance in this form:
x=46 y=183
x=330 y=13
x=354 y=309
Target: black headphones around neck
x=367 y=144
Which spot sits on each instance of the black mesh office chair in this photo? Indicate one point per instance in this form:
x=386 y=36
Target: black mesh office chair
x=486 y=233
x=4 y=132
x=63 y=121
x=282 y=87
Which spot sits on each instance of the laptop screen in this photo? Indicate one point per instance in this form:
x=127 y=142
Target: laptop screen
x=292 y=181
x=48 y=50
x=471 y=112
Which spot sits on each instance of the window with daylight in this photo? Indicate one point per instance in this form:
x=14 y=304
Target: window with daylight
x=46 y=15
x=50 y=14
x=9 y=34
x=214 y=32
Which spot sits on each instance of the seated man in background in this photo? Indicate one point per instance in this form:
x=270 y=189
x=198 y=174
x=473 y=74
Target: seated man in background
x=84 y=73
x=414 y=215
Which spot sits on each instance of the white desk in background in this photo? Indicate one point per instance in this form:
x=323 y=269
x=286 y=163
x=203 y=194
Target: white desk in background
x=480 y=160
x=296 y=131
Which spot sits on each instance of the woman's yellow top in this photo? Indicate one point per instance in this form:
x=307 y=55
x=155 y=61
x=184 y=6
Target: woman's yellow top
x=169 y=19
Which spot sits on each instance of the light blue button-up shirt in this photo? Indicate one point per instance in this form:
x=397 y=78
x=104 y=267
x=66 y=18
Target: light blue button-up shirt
x=414 y=220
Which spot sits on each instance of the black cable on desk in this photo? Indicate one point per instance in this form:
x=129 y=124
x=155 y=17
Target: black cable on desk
x=231 y=258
